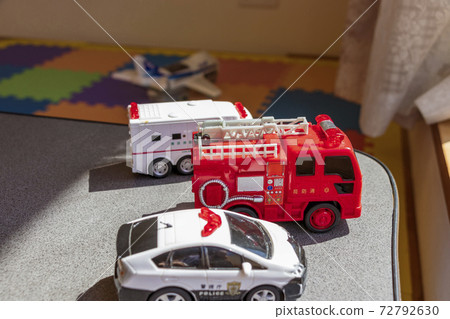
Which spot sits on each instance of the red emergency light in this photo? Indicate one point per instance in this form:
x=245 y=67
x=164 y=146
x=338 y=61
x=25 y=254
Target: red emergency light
x=213 y=221
x=241 y=110
x=134 y=111
x=334 y=136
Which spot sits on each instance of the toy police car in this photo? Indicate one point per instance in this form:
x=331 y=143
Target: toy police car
x=207 y=254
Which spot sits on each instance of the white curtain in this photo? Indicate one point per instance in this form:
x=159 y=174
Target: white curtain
x=409 y=65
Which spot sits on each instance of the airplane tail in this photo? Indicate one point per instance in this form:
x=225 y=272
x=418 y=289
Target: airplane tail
x=145 y=68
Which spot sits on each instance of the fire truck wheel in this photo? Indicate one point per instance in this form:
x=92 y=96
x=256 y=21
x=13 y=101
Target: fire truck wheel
x=244 y=211
x=321 y=218
x=160 y=168
x=184 y=165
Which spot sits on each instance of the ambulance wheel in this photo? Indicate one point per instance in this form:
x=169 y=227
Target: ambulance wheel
x=264 y=293
x=321 y=218
x=160 y=168
x=170 y=294
x=244 y=211
x=184 y=165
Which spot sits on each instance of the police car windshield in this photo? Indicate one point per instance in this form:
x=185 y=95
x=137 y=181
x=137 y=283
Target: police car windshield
x=250 y=235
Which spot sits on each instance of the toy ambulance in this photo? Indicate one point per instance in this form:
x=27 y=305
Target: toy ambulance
x=161 y=133
x=278 y=170
x=207 y=254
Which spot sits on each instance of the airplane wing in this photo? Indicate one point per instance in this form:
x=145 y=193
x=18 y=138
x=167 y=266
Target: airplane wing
x=131 y=76
x=134 y=77
x=204 y=86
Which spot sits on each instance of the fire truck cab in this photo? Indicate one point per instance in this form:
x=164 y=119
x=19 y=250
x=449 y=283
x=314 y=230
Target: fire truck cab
x=278 y=170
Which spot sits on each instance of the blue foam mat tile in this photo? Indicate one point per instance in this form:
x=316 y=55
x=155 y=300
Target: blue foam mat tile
x=298 y=102
x=22 y=106
x=6 y=71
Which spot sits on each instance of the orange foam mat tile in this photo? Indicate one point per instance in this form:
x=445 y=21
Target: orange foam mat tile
x=252 y=96
x=89 y=60
x=83 y=111
x=251 y=72
x=319 y=76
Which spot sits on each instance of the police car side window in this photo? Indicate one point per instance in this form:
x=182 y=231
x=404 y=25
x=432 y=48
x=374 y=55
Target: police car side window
x=188 y=258
x=220 y=258
x=161 y=260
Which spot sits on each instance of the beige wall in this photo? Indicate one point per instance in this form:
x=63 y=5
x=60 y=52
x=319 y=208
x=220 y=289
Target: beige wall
x=294 y=26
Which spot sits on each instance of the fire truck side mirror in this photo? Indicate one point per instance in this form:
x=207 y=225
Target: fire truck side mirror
x=246 y=268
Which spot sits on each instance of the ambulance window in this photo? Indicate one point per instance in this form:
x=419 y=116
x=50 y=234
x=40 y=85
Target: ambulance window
x=305 y=166
x=188 y=258
x=339 y=165
x=176 y=136
x=223 y=258
x=160 y=261
x=156 y=138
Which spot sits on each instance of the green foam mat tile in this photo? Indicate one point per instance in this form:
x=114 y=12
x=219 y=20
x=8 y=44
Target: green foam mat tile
x=46 y=84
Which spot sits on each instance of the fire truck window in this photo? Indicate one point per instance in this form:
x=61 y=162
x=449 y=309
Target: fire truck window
x=305 y=166
x=188 y=258
x=223 y=258
x=160 y=261
x=156 y=138
x=339 y=165
x=176 y=136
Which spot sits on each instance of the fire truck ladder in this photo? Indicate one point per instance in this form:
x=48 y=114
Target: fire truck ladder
x=253 y=128
x=247 y=130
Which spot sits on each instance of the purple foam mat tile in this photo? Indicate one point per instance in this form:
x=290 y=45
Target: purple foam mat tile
x=27 y=55
x=111 y=92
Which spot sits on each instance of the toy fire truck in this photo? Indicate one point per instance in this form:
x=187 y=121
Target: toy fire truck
x=278 y=170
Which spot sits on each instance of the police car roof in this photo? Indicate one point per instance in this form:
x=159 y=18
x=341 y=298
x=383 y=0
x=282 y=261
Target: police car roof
x=184 y=111
x=185 y=227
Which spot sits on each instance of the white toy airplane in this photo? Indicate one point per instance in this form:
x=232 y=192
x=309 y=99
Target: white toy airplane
x=194 y=72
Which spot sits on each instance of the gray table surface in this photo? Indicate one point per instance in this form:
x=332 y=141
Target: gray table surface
x=65 y=190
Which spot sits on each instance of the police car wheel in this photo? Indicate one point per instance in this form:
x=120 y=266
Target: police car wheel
x=160 y=168
x=321 y=218
x=170 y=294
x=264 y=293
x=184 y=165
x=244 y=211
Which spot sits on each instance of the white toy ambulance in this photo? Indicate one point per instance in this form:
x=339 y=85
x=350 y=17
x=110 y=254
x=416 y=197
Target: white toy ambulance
x=220 y=255
x=161 y=133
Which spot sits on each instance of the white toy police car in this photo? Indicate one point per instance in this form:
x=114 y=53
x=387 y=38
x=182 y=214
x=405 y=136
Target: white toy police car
x=207 y=254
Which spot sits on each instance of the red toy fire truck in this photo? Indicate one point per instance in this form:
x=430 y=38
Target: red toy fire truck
x=278 y=170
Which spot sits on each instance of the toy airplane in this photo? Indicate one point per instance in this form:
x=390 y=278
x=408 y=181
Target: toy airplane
x=194 y=72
